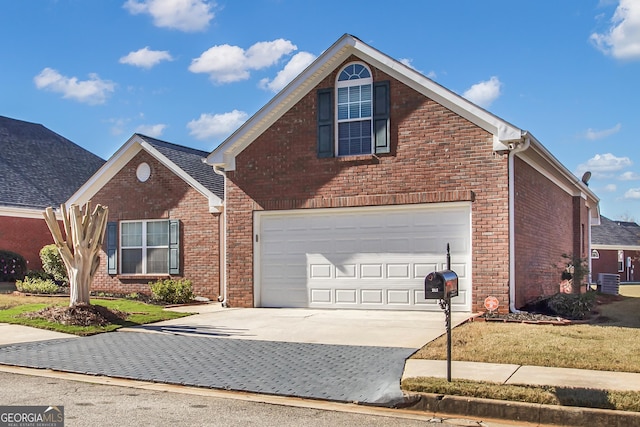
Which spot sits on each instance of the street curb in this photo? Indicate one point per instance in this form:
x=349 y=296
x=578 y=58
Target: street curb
x=520 y=411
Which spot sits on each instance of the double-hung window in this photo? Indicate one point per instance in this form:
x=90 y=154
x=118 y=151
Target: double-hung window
x=144 y=247
x=354 y=110
x=353 y=117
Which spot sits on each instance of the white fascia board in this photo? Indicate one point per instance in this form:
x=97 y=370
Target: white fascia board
x=615 y=247
x=224 y=155
x=103 y=175
x=214 y=201
x=121 y=157
x=503 y=131
x=30 y=213
x=538 y=157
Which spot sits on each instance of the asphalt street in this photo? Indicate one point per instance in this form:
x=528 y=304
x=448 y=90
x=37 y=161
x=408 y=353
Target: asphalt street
x=90 y=405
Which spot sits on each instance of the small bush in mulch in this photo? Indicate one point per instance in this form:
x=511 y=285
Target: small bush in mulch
x=80 y=315
x=567 y=306
x=172 y=291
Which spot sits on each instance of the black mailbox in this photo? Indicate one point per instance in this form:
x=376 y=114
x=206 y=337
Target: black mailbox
x=438 y=284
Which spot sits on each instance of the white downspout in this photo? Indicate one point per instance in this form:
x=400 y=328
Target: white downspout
x=223 y=242
x=512 y=225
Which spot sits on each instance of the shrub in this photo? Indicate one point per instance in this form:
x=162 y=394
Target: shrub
x=13 y=266
x=171 y=291
x=37 y=286
x=573 y=306
x=38 y=274
x=52 y=263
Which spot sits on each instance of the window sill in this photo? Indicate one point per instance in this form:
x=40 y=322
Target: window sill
x=139 y=277
x=362 y=158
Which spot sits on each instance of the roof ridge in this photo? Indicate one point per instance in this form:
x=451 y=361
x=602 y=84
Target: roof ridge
x=168 y=144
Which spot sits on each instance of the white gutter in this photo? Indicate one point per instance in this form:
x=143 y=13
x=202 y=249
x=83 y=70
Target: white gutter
x=512 y=226
x=223 y=243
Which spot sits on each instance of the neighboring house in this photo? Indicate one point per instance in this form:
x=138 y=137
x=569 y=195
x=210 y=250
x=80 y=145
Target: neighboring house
x=615 y=249
x=38 y=169
x=344 y=190
x=164 y=208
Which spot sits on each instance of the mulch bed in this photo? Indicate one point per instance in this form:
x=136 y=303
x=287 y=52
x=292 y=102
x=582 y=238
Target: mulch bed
x=541 y=314
x=80 y=315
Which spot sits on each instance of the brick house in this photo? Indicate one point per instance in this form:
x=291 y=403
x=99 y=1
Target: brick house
x=615 y=249
x=164 y=217
x=344 y=190
x=38 y=169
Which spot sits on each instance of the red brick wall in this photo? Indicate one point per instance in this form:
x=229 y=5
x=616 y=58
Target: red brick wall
x=544 y=230
x=25 y=236
x=435 y=156
x=608 y=263
x=164 y=195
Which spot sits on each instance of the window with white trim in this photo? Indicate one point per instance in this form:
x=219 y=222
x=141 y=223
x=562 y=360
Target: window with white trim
x=144 y=247
x=354 y=116
x=354 y=108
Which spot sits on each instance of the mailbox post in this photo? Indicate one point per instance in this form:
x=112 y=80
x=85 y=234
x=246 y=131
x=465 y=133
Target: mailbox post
x=443 y=285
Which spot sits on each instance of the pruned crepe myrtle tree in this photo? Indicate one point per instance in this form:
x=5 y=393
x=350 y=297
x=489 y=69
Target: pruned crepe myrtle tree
x=79 y=246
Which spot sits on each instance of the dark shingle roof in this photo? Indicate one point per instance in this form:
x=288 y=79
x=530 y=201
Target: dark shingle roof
x=191 y=161
x=615 y=233
x=38 y=167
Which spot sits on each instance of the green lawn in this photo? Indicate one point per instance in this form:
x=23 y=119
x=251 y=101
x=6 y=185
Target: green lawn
x=610 y=342
x=12 y=309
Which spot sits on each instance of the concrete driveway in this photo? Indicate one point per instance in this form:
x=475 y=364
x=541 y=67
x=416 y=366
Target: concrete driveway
x=339 y=355
x=378 y=328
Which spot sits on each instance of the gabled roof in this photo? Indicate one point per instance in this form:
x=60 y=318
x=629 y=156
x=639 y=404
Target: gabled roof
x=187 y=163
x=325 y=64
x=506 y=137
x=615 y=235
x=39 y=167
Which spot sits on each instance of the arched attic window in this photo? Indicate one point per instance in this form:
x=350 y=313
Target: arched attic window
x=354 y=107
x=353 y=116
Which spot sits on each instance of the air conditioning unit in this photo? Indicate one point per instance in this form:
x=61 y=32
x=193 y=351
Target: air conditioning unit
x=609 y=283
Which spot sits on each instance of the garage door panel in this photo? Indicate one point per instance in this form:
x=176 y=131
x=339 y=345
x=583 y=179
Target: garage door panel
x=346 y=271
x=372 y=296
x=365 y=258
x=398 y=271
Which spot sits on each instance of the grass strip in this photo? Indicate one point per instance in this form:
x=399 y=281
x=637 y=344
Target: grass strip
x=138 y=314
x=611 y=342
x=548 y=395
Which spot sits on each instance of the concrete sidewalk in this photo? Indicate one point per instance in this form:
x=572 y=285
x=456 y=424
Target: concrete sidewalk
x=524 y=375
x=13 y=334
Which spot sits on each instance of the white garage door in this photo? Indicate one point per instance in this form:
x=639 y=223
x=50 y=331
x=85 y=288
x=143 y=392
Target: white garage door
x=366 y=258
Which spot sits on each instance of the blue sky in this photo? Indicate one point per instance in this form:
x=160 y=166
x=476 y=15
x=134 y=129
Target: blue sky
x=191 y=71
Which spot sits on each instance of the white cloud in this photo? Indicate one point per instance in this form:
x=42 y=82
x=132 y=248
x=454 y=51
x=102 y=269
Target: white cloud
x=183 y=15
x=93 y=91
x=118 y=125
x=484 y=93
x=153 y=131
x=213 y=125
x=146 y=58
x=610 y=188
x=226 y=63
x=629 y=176
x=622 y=39
x=295 y=66
x=599 y=134
x=632 y=194
x=602 y=165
